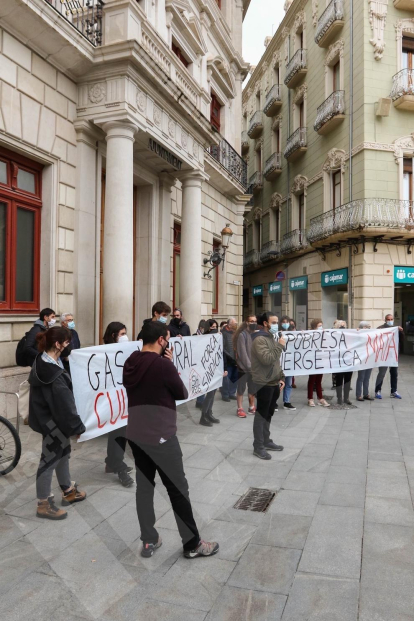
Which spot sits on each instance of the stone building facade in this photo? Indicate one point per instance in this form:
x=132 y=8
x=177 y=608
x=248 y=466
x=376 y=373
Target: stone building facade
x=327 y=133
x=119 y=161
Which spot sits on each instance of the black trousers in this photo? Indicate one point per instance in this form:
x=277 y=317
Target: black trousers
x=167 y=460
x=267 y=397
x=343 y=379
x=115 y=450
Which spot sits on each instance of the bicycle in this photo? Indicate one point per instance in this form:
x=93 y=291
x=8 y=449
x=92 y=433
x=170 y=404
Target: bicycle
x=10 y=446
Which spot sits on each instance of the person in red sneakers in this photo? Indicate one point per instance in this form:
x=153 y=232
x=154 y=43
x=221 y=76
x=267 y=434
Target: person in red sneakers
x=153 y=385
x=242 y=343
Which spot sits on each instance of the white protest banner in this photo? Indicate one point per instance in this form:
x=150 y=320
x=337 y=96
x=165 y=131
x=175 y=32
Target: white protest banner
x=96 y=372
x=337 y=351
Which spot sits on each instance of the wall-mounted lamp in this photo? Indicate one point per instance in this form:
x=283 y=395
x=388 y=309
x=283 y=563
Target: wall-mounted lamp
x=215 y=256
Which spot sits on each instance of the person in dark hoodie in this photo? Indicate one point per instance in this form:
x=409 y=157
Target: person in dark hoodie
x=47 y=319
x=153 y=385
x=268 y=378
x=160 y=312
x=178 y=327
x=52 y=413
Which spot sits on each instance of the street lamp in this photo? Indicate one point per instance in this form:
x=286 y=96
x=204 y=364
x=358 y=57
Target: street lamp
x=215 y=256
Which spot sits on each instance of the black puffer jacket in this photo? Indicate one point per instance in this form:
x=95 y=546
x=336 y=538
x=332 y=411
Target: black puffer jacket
x=51 y=402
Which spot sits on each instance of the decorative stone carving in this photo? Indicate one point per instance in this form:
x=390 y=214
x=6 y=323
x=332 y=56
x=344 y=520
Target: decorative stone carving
x=276 y=59
x=257 y=213
x=258 y=144
x=97 y=92
x=335 y=50
x=171 y=128
x=277 y=121
x=315 y=4
x=404 y=25
x=301 y=94
x=285 y=38
x=402 y=145
x=335 y=160
x=195 y=149
x=299 y=185
x=141 y=101
x=377 y=17
x=300 y=21
x=184 y=139
x=157 y=115
x=287 y=4
x=275 y=200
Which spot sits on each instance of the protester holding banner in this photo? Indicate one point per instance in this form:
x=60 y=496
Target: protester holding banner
x=286 y=326
x=207 y=419
x=242 y=343
x=268 y=378
x=52 y=413
x=159 y=312
x=114 y=462
x=342 y=380
x=362 y=385
x=389 y=323
x=153 y=385
x=315 y=381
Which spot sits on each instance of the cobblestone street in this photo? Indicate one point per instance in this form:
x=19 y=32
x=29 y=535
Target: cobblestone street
x=336 y=543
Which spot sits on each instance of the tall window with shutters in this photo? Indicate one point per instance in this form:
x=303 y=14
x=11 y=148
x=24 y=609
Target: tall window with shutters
x=20 y=216
x=215 y=112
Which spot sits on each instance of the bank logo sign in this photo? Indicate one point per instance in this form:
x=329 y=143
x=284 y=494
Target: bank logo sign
x=300 y=282
x=403 y=274
x=334 y=278
x=275 y=287
x=257 y=291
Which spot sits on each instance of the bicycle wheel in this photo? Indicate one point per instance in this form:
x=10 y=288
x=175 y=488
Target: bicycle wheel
x=10 y=446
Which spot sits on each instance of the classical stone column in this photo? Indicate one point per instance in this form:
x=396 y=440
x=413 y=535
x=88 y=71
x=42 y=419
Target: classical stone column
x=190 y=260
x=118 y=247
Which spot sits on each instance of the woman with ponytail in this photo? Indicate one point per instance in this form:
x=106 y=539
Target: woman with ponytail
x=52 y=413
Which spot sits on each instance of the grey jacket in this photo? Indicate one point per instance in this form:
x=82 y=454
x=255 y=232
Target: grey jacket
x=266 y=352
x=244 y=351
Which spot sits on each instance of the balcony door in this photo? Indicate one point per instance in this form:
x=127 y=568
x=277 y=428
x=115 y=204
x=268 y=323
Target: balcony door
x=301 y=218
x=408 y=61
x=336 y=79
x=408 y=185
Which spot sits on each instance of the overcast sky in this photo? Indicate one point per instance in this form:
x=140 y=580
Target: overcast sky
x=262 y=20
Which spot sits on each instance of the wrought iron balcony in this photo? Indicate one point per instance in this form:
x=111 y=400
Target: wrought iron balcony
x=330 y=113
x=296 y=144
x=361 y=216
x=294 y=241
x=296 y=68
x=273 y=166
x=330 y=22
x=230 y=160
x=244 y=142
x=404 y=5
x=273 y=100
x=269 y=251
x=402 y=92
x=255 y=183
x=255 y=125
x=251 y=259
x=84 y=15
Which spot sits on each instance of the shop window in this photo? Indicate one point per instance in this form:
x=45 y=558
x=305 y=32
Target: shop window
x=20 y=213
x=336 y=188
x=178 y=52
x=215 y=279
x=176 y=265
x=215 y=112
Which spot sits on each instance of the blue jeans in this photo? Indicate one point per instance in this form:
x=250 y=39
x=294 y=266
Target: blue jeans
x=287 y=389
x=230 y=382
x=362 y=385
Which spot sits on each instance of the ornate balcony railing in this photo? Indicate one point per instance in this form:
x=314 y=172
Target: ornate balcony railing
x=298 y=62
x=273 y=165
x=402 y=84
x=251 y=258
x=230 y=160
x=255 y=124
x=297 y=140
x=294 y=241
x=273 y=99
x=333 y=12
x=331 y=107
x=360 y=215
x=255 y=182
x=269 y=251
x=84 y=15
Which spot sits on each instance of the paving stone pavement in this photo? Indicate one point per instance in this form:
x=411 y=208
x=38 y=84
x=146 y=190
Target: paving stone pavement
x=337 y=543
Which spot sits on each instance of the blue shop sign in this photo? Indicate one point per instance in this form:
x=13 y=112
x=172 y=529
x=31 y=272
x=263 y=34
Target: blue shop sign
x=403 y=274
x=300 y=282
x=257 y=291
x=334 y=278
x=275 y=287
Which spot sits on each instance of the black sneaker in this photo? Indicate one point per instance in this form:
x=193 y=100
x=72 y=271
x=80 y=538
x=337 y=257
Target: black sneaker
x=148 y=549
x=126 y=480
x=233 y=397
x=271 y=446
x=262 y=454
x=226 y=399
x=212 y=418
x=110 y=471
x=289 y=406
x=205 y=422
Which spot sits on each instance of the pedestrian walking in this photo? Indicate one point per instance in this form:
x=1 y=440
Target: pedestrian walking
x=342 y=380
x=153 y=386
x=242 y=343
x=207 y=418
x=67 y=321
x=286 y=326
x=362 y=385
x=389 y=323
x=315 y=381
x=229 y=388
x=116 y=443
x=159 y=312
x=52 y=413
x=268 y=378
x=178 y=327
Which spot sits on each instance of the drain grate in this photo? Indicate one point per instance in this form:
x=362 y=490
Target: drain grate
x=336 y=406
x=255 y=499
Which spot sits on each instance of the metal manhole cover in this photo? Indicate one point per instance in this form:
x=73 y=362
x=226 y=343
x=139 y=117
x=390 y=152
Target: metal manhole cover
x=255 y=499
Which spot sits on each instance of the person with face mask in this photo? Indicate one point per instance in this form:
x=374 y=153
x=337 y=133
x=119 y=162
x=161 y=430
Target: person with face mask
x=116 y=443
x=67 y=321
x=177 y=326
x=153 y=386
x=160 y=312
x=362 y=385
x=287 y=391
x=315 y=381
x=52 y=413
x=242 y=343
x=268 y=378
x=388 y=323
x=207 y=419
x=47 y=319
x=342 y=380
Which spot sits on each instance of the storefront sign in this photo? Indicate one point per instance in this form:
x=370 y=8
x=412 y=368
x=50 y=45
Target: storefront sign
x=280 y=276
x=403 y=274
x=166 y=155
x=275 y=287
x=257 y=291
x=300 y=282
x=334 y=278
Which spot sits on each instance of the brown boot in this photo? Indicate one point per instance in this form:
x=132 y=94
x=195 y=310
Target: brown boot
x=72 y=495
x=47 y=509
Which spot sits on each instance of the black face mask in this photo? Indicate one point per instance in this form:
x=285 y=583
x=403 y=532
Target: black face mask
x=213 y=331
x=252 y=327
x=176 y=321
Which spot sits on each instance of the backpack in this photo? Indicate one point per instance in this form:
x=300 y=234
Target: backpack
x=21 y=352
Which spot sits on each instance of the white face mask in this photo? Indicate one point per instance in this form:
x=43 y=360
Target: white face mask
x=390 y=323
x=319 y=328
x=51 y=323
x=162 y=319
x=123 y=338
